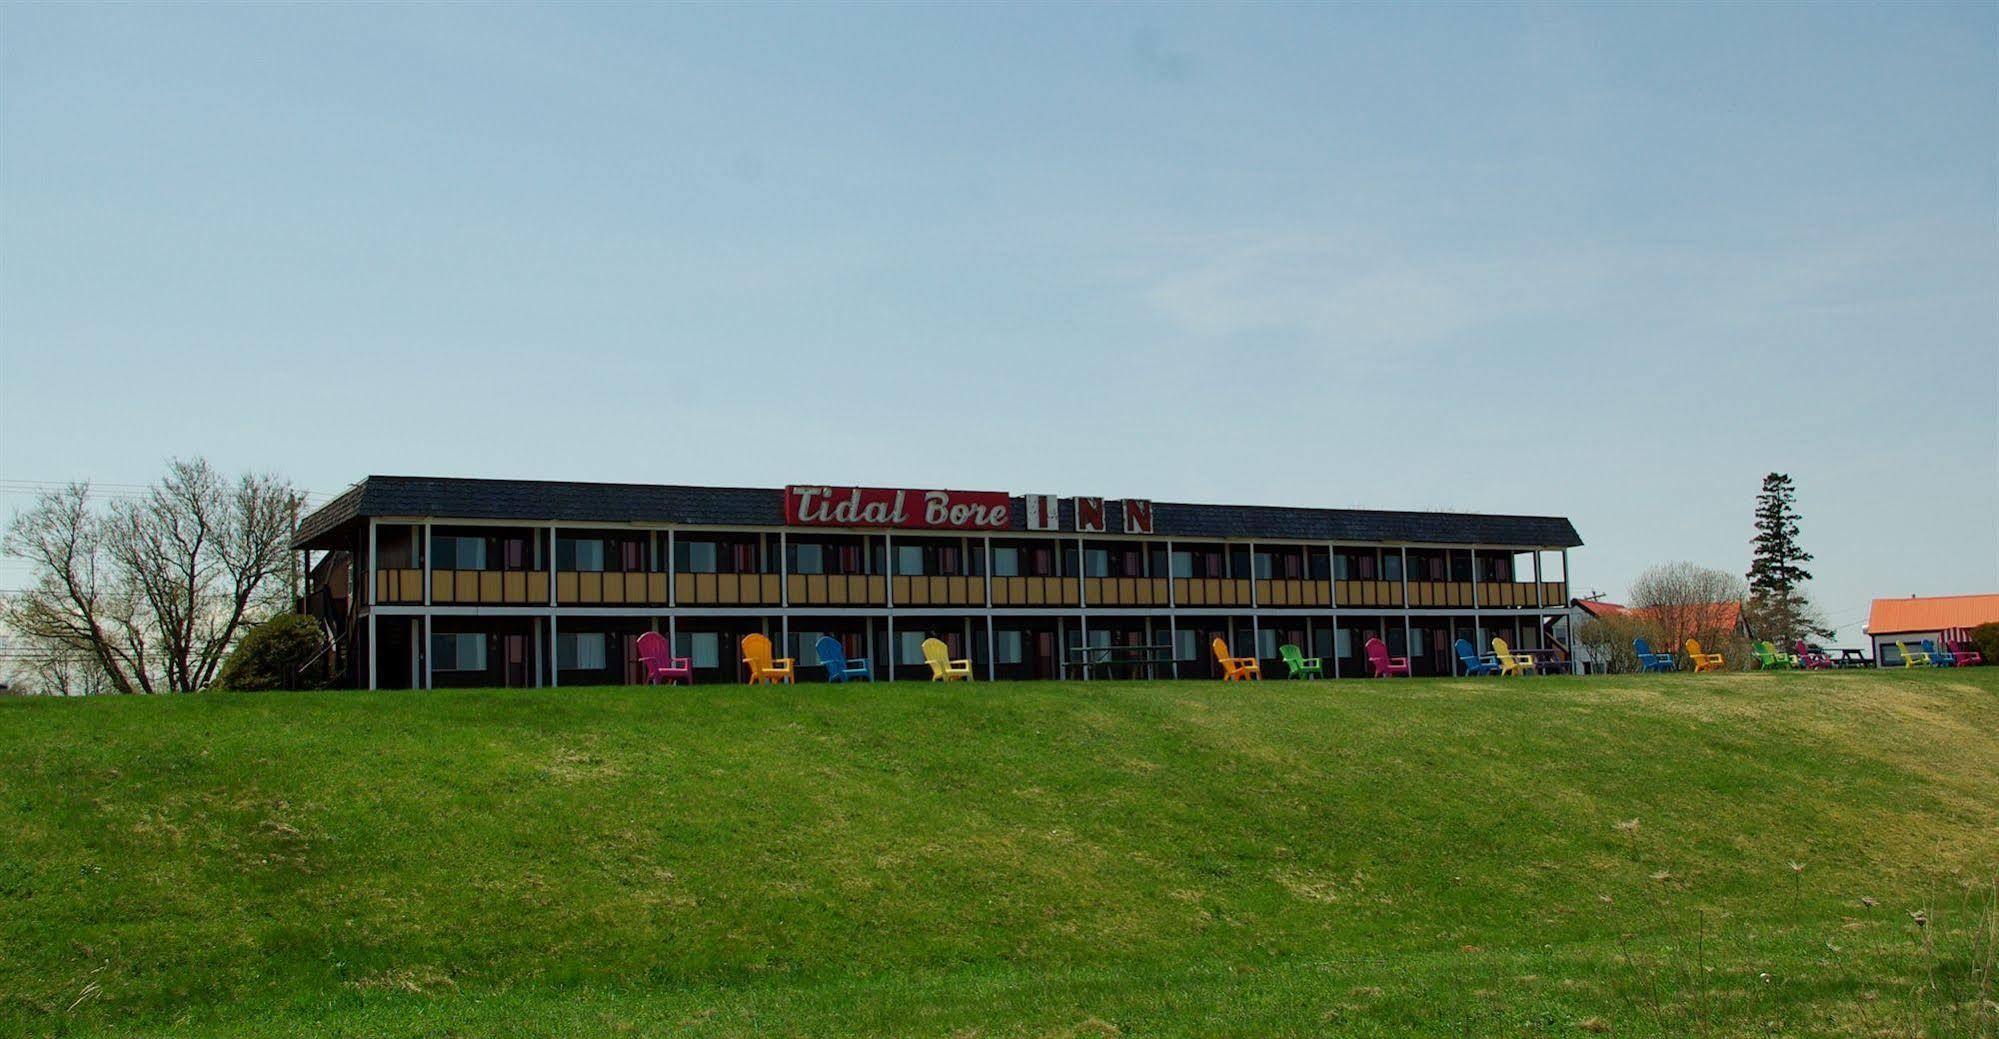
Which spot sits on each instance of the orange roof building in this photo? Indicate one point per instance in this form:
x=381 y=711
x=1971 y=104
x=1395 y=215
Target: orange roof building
x=1934 y=616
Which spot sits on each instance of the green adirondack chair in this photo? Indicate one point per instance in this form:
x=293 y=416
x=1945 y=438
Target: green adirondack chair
x=1301 y=665
x=1769 y=659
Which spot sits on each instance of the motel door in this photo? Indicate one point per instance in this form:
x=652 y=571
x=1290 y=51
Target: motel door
x=1045 y=665
x=516 y=665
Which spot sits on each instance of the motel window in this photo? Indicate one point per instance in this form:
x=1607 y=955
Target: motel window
x=458 y=652
x=912 y=646
x=694 y=557
x=1266 y=643
x=1343 y=643
x=1263 y=568
x=702 y=648
x=584 y=554
x=806 y=651
x=1010 y=647
x=1322 y=643
x=1006 y=562
x=1096 y=563
x=1318 y=566
x=1186 y=644
x=395 y=547
x=808 y=559
x=909 y=560
x=1183 y=564
x=1391 y=566
x=1461 y=565
x=458 y=553
x=583 y=651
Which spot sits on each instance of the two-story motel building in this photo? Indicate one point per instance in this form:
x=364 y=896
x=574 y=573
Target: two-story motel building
x=430 y=582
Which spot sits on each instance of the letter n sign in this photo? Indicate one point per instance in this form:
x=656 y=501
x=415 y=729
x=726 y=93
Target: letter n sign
x=1089 y=515
x=1041 y=512
x=1137 y=516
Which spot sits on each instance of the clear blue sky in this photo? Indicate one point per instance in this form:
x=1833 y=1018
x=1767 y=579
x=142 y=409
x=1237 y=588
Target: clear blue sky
x=1611 y=262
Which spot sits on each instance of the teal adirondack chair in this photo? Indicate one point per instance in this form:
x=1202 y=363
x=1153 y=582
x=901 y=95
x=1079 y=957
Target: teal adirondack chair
x=1301 y=665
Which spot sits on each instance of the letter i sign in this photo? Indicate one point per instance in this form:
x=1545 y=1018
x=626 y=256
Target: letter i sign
x=1041 y=511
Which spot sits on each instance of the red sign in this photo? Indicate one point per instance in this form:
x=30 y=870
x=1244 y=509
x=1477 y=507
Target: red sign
x=813 y=505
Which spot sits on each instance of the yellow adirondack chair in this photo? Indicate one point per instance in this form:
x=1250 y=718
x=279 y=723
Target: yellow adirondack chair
x=942 y=667
x=1703 y=661
x=756 y=653
x=1914 y=657
x=1236 y=669
x=1511 y=663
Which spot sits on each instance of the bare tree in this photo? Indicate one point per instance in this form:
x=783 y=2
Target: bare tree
x=1688 y=601
x=155 y=591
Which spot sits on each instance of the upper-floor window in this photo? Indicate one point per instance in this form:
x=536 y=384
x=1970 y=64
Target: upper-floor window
x=457 y=553
x=585 y=554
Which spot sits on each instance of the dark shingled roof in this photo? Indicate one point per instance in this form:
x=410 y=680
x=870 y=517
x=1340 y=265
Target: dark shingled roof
x=539 y=500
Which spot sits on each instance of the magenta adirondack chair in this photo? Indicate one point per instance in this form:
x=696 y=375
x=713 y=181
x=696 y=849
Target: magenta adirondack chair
x=1383 y=664
x=1812 y=658
x=659 y=663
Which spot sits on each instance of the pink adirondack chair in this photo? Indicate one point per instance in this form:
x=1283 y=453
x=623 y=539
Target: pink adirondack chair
x=1383 y=664
x=659 y=663
x=1967 y=654
x=1811 y=658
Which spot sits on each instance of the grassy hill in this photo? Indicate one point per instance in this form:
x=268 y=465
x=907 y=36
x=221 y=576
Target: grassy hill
x=1659 y=856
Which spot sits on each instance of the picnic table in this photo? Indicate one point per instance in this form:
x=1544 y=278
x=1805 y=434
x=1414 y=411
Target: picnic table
x=1109 y=658
x=1851 y=658
x=1546 y=661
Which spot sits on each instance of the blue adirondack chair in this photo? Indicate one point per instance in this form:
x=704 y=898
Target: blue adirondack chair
x=1473 y=663
x=1939 y=657
x=838 y=667
x=1650 y=661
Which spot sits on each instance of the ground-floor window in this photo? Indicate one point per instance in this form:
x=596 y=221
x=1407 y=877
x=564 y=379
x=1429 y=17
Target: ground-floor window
x=458 y=652
x=580 y=652
x=1010 y=647
x=703 y=648
x=1266 y=643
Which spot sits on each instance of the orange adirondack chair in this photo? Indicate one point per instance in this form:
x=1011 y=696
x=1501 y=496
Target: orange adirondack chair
x=764 y=669
x=1511 y=663
x=1236 y=669
x=942 y=667
x=1703 y=661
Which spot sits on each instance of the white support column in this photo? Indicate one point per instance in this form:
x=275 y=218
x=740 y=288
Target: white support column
x=1540 y=593
x=374 y=650
x=1407 y=635
x=426 y=563
x=554 y=656
x=551 y=567
x=672 y=579
x=1083 y=644
x=1253 y=601
x=1172 y=623
x=893 y=656
x=989 y=576
x=1474 y=577
x=992 y=650
x=784 y=594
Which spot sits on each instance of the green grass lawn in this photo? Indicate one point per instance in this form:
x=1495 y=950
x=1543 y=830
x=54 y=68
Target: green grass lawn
x=1789 y=855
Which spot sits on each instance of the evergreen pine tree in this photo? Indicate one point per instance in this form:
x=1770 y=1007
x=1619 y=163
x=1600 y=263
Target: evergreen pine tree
x=1779 y=610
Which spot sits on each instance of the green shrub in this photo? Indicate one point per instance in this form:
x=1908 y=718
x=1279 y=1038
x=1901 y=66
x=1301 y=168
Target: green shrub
x=275 y=655
x=1985 y=639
